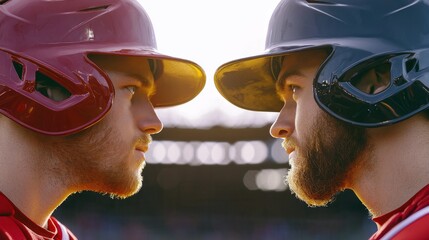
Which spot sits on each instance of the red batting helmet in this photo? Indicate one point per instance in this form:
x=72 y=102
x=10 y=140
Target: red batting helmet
x=48 y=43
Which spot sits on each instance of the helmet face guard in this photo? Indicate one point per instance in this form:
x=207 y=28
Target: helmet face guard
x=375 y=73
x=48 y=82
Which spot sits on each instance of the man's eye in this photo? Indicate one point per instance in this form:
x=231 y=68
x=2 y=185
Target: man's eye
x=132 y=89
x=293 y=88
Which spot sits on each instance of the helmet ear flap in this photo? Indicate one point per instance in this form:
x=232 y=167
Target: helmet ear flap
x=377 y=90
x=43 y=84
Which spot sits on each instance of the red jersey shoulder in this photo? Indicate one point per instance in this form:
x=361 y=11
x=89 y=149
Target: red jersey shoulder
x=9 y=229
x=63 y=230
x=414 y=227
x=15 y=225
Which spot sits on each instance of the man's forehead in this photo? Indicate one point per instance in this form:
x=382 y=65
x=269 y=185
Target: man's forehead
x=145 y=78
x=135 y=67
x=131 y=64
x=304 y=59
x=297 y=63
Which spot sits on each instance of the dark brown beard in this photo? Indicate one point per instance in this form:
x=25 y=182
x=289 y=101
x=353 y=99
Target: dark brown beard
x=326 y=159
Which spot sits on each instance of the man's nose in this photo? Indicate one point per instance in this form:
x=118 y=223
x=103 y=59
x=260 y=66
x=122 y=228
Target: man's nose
x=147 y=119
x=285 y=123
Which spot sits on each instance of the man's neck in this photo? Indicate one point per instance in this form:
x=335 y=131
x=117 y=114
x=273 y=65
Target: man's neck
x=25 y=178
x=399 y=166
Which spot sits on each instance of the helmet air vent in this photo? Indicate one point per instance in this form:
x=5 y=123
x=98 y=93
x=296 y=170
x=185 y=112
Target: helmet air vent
x=319 y=2
x=3 y=2
x=18 y=68
x=98 y=8
x=412 y=64
x=50 y=88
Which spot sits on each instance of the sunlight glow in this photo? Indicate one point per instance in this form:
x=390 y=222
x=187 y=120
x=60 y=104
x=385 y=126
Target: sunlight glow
x=210 y=33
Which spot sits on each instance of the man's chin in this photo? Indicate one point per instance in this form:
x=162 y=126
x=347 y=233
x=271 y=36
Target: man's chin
x=121 y=190
x=125 y=193
x=307 y=193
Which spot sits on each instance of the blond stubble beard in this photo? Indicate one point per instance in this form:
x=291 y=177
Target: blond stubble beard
x=93 y=160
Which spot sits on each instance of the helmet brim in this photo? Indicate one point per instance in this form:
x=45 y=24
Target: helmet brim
x=249 y=83
x=177 y=80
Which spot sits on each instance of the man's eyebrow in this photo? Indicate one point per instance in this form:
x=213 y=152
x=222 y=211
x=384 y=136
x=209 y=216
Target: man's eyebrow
x=140 y=77
x=281 y=80
x=146 y=83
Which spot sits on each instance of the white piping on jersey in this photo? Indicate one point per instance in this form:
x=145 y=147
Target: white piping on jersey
x=405 y=223
x=64 y=233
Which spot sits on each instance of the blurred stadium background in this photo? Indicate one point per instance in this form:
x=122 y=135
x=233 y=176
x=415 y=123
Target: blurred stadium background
x=214 y=172
x=214 y=183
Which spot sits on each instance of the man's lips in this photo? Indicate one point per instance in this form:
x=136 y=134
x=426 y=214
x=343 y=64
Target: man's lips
x=142 y=143
x=142 y=148
x=288 y=146
x=289 y=150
